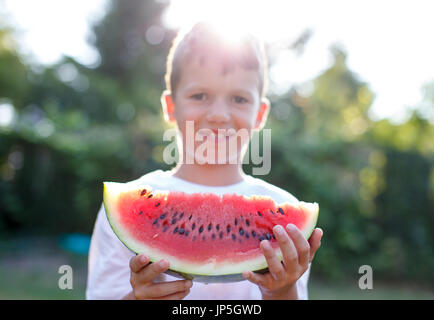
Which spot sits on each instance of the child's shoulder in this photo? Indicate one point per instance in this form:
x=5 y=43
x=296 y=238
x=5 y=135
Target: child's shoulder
x=160 y=179
x=156 y=179
x=261 y=187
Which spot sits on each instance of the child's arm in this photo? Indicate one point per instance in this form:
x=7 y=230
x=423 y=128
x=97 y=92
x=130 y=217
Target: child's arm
x=142 y=276
x=114 y=270
x=280 y=281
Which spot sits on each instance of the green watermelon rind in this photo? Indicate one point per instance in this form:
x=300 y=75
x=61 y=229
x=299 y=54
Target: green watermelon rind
x=182 y=272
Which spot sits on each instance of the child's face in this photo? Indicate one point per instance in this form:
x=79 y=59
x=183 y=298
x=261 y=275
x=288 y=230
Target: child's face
x=215 y=101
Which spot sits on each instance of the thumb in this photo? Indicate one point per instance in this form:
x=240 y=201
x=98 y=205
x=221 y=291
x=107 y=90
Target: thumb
x=315 y=242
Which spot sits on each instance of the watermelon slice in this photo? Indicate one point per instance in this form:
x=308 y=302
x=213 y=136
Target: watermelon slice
x=205 y=237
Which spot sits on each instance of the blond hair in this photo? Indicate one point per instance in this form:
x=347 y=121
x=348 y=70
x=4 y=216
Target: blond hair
x=204 y=40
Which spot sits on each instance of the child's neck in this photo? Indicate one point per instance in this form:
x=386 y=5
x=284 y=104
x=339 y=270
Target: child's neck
x=210 y=175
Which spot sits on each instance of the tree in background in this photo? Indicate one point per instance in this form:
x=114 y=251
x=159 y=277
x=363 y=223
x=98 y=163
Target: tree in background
x=375 y=197
x=76 y=127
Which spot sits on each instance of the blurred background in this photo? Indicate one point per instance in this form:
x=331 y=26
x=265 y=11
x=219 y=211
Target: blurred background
x=352 y=118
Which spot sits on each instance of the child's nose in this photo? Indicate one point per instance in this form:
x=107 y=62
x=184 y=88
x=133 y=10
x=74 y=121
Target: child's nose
x=218 y=111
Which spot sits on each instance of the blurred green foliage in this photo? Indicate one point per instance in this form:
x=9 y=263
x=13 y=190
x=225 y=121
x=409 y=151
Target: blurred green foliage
x=71 y=127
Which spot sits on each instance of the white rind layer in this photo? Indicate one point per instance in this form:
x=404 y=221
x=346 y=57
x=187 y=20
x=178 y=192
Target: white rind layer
x=112 y=190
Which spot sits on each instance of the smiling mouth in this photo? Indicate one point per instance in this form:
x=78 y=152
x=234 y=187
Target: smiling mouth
x=217 y=139
x=219 y=134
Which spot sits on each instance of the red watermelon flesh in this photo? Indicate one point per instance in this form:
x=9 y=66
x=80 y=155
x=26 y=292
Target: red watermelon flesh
x=205 y=237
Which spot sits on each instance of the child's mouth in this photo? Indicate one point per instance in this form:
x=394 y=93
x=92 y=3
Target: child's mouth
x=218 y=135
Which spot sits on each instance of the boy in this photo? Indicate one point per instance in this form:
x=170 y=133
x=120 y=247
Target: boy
x=219 y=87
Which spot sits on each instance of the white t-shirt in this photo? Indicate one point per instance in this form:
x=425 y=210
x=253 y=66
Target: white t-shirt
x=108 y=269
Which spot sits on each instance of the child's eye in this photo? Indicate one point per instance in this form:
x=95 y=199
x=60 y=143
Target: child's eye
x=239 y=99
x=198 y=96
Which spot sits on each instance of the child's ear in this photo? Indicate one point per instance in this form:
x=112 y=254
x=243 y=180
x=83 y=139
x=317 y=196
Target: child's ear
x=168 y=106
x=262 y=114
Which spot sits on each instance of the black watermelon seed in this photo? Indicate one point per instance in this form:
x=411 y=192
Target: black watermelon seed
x=213 y=236
x=221 y=235
x=163 y=216
x=248 y=222
x=253 y=233
x=217 y=227
x=181 y=215
x=164 y=228
x=268 y=236
x=157 y=204
x=260 y=214
x=189 y=218
x=247 y=235
x=175 y=214
x=241 y=231
x=176 y=230
x=150 y=196
x=209 y=227
x=181 y=231
x=200 y=229
x=272 y=211
x=140 y=212
x=228 y=228
x=173 y=221
x=187 y=232
x=155 y=221
x=281 y=211
x=274 y=237
x=193 y=226
x=236 y=221
x=143 y=192
x=261 y=238
x=233 y=237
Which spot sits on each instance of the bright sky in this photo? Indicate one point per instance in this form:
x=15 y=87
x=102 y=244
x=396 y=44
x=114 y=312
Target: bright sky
x=388 y=42
x=48 y=29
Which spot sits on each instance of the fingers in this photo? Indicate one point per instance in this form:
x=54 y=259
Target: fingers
x=301 y=245
x=296 y=253
x=289 y=251
x=138 y=262
x=168 y=290
x=143 y=274
x=315 y=242
x=175 y=296
x=149 y=273
x=275 y=267
x=256 y=278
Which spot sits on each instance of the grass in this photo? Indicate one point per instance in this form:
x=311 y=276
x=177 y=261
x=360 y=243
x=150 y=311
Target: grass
x=29 y=270
x=319 y=290
x=36 y=285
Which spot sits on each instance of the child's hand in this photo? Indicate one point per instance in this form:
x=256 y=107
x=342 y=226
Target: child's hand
x=279 y=282
x=143 y=274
